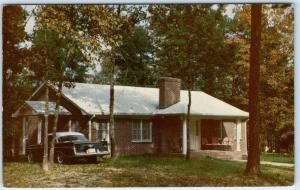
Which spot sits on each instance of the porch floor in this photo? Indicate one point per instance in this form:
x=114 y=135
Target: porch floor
x=227 y=155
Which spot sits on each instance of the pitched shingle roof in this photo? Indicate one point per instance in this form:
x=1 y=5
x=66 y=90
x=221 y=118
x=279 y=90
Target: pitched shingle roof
x=129 y=100
x=39 y=107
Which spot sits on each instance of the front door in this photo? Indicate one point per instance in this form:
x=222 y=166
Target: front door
x=194 y=142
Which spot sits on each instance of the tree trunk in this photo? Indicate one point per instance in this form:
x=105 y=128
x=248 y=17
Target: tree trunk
x=188 y=152
x=45 y=156
x=253 y=163
x=111 y=103
x=111 y=113
x=54 y=129
x=190 y=76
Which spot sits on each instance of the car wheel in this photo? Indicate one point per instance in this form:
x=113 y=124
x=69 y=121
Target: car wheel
x=60 y=158
x=29 y=157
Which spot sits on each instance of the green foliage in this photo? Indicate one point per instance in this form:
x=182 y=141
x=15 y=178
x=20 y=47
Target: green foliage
x=13 y=55
x=277 y=72
x=17 y=84
x=92 y=25
x=132 y=53
x=65 y=58
x=136 y=67
x=190 y=41
x=136 y=53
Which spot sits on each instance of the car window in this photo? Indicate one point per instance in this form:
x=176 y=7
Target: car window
x=72 y=138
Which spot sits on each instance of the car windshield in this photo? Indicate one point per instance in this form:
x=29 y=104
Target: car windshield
x=72 y=138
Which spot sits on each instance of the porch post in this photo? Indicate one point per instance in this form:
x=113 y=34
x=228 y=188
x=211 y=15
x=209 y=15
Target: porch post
x=108 y=130
x=199 y=134
x=39 y=133
x=70 y=125
x=238 y=135
x=184 y=136
x=221 y=129
x=90 y=130
x=246 y=139
x=24 y=135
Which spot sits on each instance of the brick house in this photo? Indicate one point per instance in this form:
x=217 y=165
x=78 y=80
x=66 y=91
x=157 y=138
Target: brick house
x=147 y=120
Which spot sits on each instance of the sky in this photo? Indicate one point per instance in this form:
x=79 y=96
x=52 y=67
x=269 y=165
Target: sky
x=30 y=24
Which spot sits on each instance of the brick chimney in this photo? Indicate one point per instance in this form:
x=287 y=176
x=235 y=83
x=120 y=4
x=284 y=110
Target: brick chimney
x=169 y=91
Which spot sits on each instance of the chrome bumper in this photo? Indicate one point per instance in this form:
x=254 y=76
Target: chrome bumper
x=77 y=154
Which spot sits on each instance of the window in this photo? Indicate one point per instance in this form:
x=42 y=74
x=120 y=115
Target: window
x=102 y=131
x=141 y=131
x=136 y=132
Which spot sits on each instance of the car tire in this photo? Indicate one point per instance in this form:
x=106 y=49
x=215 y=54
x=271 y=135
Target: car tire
x=60 y=158
x=30 y=157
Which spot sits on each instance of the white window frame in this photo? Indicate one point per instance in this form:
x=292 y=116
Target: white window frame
x=141 y=127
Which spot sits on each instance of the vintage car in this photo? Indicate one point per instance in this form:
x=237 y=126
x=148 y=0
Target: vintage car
x=69 y=146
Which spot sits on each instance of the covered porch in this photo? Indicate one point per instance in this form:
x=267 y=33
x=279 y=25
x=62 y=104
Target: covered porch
x=32 y=118
x=223 y=138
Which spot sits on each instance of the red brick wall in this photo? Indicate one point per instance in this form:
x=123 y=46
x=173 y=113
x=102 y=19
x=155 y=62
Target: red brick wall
x=166 y=137
x=169 y=91
x=123 y=137
x=169 y=134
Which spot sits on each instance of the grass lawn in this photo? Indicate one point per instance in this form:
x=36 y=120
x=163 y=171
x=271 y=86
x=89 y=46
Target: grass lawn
x=275 y=157
x=144 y=171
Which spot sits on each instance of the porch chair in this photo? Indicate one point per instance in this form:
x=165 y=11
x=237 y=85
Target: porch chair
x=225 y=141
x=230 y=141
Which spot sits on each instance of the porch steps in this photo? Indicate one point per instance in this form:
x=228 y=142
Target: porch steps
x=226 y=155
